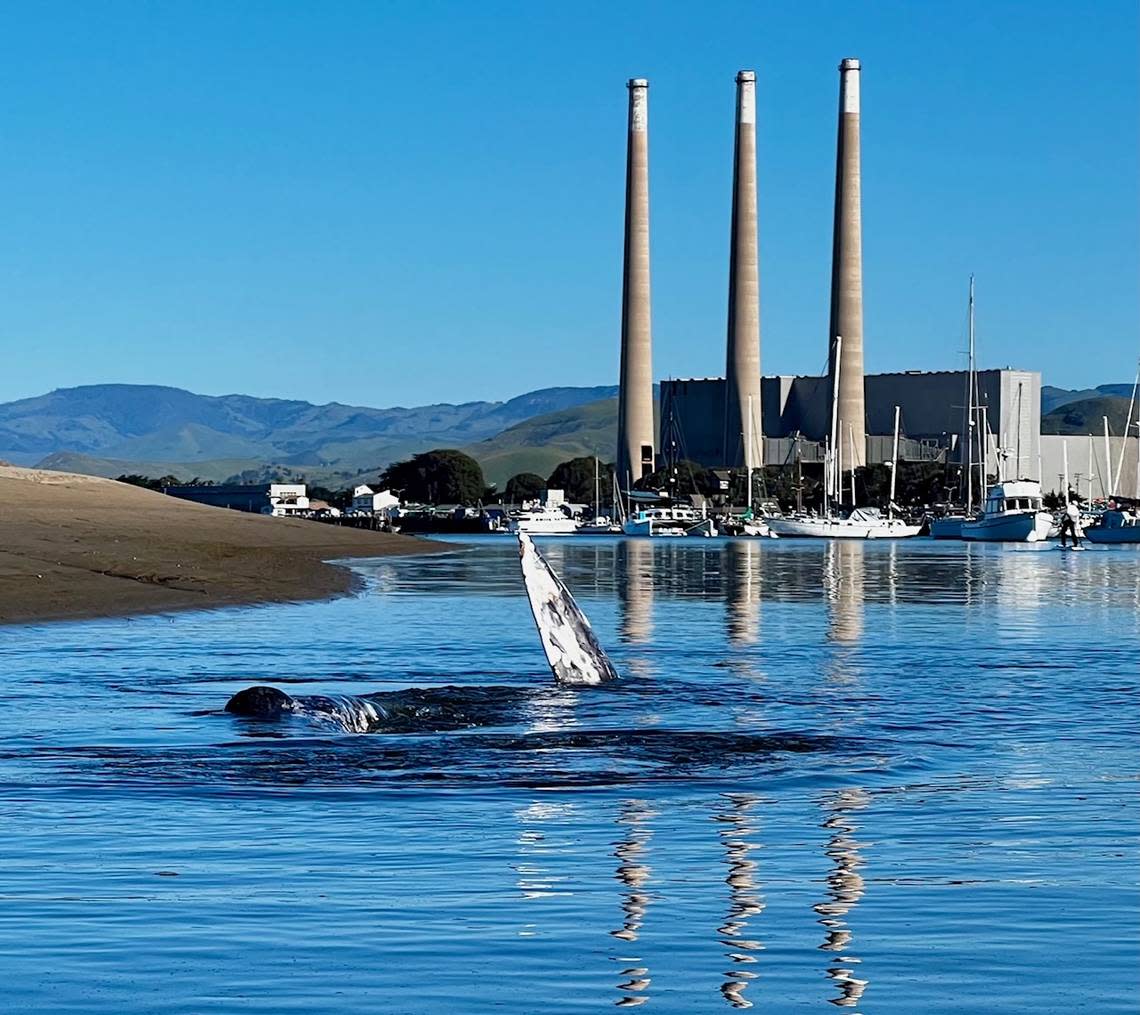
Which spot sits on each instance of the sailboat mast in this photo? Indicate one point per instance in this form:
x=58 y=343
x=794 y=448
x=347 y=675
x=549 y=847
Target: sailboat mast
x=969 y=411
x=894 y=467
x=1090 y=468
x=851 y=443
x=799 y=476
x=1107 y=464
x=1065 y=465
x=1127 y=427
x=597 y=491
x=748 y=457
x=986 y=439
x=1017 y=473
x=1137 y=480
x=836 y=450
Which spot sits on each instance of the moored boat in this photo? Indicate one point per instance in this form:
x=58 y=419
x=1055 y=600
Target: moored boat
x=1013 y=513
x=668 y=521
x=1114 y=527
x=600 y=526
x=947 y=527
x=860 y=523
x=544 y=520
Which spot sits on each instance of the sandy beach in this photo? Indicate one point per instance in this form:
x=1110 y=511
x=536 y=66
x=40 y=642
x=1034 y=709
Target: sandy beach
x=76 y=546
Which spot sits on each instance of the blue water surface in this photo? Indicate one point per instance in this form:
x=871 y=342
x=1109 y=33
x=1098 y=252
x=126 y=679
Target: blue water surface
x=886 y=777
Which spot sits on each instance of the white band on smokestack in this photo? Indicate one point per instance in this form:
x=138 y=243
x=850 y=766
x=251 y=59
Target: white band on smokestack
x=638 y=110
x=746 y=113
x=849 y=71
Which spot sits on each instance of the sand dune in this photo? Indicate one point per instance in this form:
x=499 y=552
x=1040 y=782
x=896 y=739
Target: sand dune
x=76 y=546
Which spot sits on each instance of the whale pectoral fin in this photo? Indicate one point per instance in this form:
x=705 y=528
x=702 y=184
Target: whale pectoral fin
x=571 y=648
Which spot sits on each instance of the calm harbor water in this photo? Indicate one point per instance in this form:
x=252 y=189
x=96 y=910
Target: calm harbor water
x=888 y=778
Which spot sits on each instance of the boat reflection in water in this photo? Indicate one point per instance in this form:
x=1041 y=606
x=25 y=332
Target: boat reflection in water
x=845 y=889
x=632 y=873
x=736 y=826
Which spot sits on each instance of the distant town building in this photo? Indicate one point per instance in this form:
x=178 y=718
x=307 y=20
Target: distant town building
x=367 y=500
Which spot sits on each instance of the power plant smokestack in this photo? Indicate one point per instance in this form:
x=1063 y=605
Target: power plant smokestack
x=743 y=441
x=847 y=277
x=635 y=455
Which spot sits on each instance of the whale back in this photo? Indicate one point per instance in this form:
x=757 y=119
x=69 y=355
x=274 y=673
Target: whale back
x=571 y=648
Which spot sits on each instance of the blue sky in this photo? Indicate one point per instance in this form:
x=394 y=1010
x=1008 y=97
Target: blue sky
x=385 y=203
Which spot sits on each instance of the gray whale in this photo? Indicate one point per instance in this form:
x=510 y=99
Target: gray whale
x=572 y=651
x=434 y=709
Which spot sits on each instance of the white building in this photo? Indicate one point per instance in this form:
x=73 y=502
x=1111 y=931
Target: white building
x=365 y=500
x=287 y=499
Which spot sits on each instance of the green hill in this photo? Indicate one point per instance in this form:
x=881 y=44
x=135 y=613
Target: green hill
x=223 y=470
x=1087 y=416
x=539 y=444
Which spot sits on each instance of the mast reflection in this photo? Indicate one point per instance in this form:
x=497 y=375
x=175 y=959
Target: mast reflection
x=845 y=889
x=632 y=872
x=745 y=900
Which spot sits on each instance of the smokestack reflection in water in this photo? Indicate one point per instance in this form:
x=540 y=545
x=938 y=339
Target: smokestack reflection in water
x=843 y=580
x=634 y=565
x=743 y=587
x=737 y=825
x=845 y=889
x=534 y=878
x=633 y=873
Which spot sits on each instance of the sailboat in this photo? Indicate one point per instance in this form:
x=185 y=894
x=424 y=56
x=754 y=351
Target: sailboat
x=601 y=525
x=859 y=522
x=950 y=526
x=1121 y=523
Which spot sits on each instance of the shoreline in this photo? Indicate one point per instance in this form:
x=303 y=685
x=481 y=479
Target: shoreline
x=82 y=548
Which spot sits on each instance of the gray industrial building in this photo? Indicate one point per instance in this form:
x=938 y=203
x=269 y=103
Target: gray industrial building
x=796 y=417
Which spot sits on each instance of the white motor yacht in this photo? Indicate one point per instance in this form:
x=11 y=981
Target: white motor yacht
x=860 y=523
x=1013 y=513
x=544 y=520
x=668 y=521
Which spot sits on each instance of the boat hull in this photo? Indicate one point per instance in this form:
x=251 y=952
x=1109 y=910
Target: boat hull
x=1015 y=527
x=949 y=527
x=1121 y=536
x=545 y=528
x=838 y=528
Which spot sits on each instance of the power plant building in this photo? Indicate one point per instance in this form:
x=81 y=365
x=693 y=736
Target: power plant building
x=796 y=417
x=747 y=420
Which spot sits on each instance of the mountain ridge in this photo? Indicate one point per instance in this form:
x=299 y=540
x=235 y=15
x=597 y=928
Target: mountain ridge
x=158 y=430
x=165 y=424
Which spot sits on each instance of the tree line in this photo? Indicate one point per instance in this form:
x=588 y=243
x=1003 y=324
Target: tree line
x=449 y=476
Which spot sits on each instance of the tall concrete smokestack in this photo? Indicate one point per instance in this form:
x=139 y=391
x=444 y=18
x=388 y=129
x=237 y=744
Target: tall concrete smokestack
x=847 y=275
x=743 y=440
x=635 y=455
